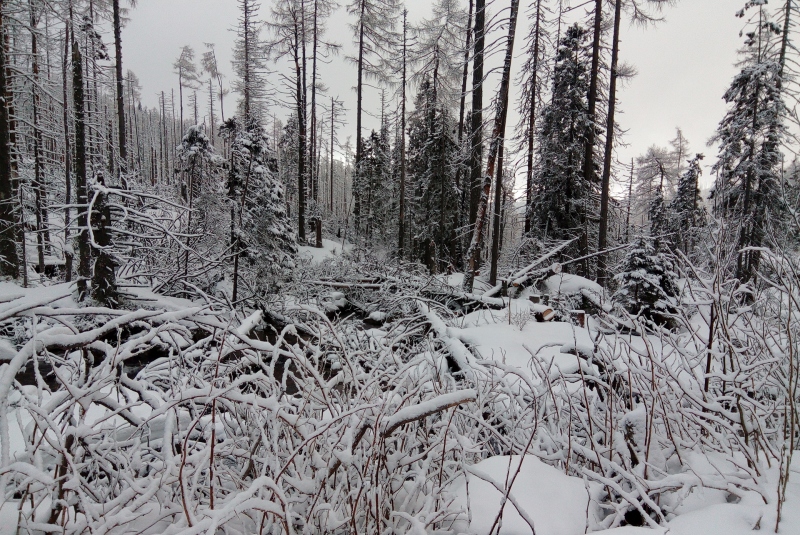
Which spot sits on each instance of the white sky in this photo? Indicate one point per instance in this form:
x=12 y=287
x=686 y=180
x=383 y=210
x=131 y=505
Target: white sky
x=684 y=64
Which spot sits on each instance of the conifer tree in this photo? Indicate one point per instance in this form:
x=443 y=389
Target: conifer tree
x=685 y=210
x=749 y=137
x=647 y=285
x=431 y=152
x=560 y=192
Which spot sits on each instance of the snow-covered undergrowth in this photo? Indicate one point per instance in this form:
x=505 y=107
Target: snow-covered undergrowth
x=373 y=399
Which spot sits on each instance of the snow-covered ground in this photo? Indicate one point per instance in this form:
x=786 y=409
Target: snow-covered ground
x=557 y=504
x=330 y=249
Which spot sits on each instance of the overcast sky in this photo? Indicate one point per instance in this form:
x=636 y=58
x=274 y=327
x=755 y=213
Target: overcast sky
x=684 y=64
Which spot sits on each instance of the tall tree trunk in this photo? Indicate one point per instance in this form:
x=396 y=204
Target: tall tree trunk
x=84 y=249
x=104 y=287
x=359 y=95
x=605 y=191
x=314 y=156
x=301 y=140
x=588 y=155
x=463 y=188
x=38 y=186
x=476 y=132
x=501 y=113
x=123 y=140
x=9 y=258
x=330 y=179
x=246 y=73
x=532 y=117
x=401 y=231
x=496 y=227
x=68 y=255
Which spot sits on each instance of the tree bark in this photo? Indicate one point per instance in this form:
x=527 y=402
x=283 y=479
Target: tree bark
x=359 y=95
x=497 y=231
x=476 y=132
x=532 y=117
x=68 y=255
x=501 y=112
x=605 y=193
x=588 y=155
x=9 y=258
x=301 y=140
x=84 y=249
x=123 y=140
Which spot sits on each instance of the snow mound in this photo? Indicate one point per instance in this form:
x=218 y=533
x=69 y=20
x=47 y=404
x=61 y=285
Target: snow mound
x=572 y=285
x=555 y=502
x=330 y=249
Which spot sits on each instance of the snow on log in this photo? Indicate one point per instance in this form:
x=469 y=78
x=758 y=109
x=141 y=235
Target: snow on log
x=427 y=408
x=527 y=272
x=542 y=313
x=250 y=322
x=454 y=346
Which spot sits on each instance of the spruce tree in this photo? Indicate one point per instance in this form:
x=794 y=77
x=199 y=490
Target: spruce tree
x=432 y=149
x=261 y=230
x=647 y=285
x=749 y=137
x=560 y=193
x=685 y=210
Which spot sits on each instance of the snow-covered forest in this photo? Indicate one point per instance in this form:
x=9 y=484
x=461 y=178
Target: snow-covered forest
x=241 y=312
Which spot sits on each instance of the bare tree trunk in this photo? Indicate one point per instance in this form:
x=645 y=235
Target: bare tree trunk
x=501 y=112
x=68 y=255
x=476 y=132
x=402 y=223
x=84 y=249
x=314 y=156
x=104 y=287
x=330 y=179
x=532 y=117
x=359 y=98
x=301 y=141
x=38 y=186
x=496 y=230
x=602 y=264
x=123 y=140
x=588 y=155
x=9 y=259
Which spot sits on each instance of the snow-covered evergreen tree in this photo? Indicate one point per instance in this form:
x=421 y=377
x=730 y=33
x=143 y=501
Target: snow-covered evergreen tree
x=749 y=136
x=685 y=210
x=432 y=153
x=647 y=284
x=560 y=194
x=262 y=231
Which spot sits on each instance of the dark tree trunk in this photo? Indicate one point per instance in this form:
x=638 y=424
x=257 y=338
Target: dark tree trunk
x=40 y=195
x=84 y=249
x=68 y=255
x=359 y=95
x=123 y=140
x=602 y=264
x=588 y=155
x=314 y=156
x=402 y=223
x=476 y=132
x=532 y=117
x=330 y=176
x=104 y=287
x=301 y=140
x=9 y=258
x=501 y=112
x=497 y=230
